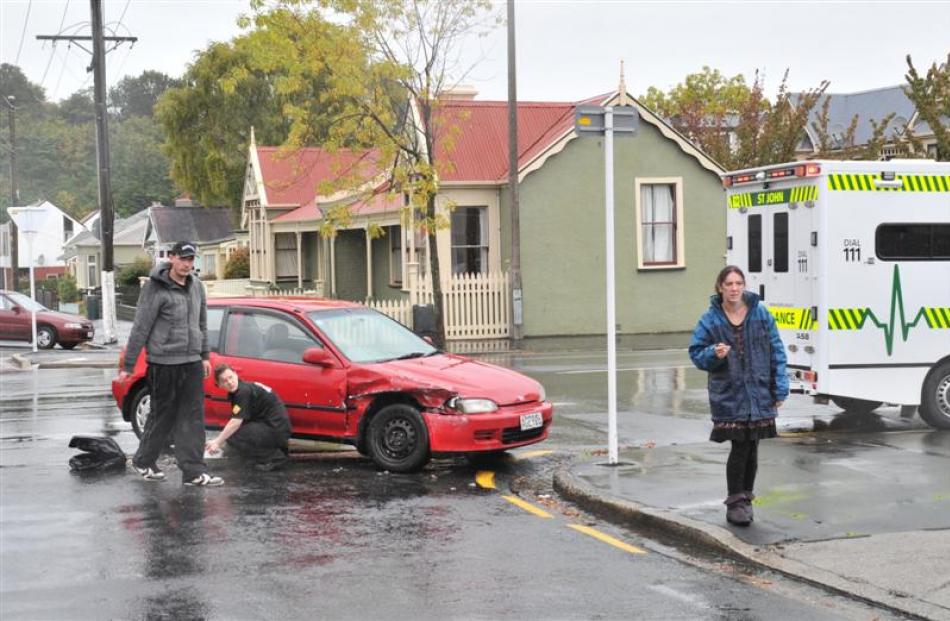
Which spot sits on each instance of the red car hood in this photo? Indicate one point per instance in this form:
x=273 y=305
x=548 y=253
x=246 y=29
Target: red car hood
x=448 y=372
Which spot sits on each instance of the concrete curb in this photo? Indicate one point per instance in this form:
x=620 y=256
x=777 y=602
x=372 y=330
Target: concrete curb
x=721 y=541
x=23 y=363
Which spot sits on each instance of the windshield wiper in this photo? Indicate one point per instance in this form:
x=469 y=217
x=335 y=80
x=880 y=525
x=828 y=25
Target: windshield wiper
x=412 y=354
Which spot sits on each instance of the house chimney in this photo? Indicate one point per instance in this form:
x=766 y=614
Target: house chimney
x=460 y=92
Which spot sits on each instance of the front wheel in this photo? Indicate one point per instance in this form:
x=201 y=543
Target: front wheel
x=140 y=406
x=398 y=439
x=856 y=406
x=45 y=337
x=935 y=397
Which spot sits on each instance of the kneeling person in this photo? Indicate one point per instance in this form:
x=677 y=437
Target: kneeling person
x=259 y=427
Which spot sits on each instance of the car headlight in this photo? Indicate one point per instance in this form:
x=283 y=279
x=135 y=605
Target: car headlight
x=472 y=406
x=75 y=326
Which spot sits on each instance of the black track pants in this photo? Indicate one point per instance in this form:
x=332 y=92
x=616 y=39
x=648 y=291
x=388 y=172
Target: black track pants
x=178 y=414
x=259 y=442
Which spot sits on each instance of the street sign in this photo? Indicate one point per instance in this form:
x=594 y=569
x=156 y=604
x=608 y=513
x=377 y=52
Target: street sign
x=591 y=120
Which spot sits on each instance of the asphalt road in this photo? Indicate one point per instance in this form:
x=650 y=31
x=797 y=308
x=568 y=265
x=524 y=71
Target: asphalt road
x=331 y=537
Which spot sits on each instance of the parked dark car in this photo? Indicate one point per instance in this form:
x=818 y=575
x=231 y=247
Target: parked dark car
x=51 y=326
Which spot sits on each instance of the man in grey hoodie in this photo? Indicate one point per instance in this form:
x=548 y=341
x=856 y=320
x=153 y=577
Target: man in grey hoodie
x=170 y=322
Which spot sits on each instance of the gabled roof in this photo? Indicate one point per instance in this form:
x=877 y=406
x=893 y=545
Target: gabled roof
x=197 y=224
x=478 y=131
x=292 y=178
x=869 y=105
x=125 y=232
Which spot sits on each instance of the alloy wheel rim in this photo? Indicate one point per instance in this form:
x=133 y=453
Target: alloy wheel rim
x=943 y=396
x=142 y=411
x=43 y=338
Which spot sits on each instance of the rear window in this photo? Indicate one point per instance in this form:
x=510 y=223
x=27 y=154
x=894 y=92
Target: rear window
x=913 y=242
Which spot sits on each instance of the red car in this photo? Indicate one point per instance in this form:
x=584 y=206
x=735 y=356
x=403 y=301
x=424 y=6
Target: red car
x=16 y=323
x=350 y=374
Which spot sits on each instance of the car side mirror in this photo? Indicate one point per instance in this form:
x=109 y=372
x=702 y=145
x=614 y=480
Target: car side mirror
x=319 y=356
x=17 y=309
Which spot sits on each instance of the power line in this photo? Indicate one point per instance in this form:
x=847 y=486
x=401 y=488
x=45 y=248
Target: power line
x=49 y=62
x=121 y=17
x=26 y=21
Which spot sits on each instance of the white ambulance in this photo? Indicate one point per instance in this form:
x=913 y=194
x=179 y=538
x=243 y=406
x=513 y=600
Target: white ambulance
x=853 y=261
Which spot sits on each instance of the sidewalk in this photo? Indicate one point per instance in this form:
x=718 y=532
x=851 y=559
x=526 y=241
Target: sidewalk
x=864 y=515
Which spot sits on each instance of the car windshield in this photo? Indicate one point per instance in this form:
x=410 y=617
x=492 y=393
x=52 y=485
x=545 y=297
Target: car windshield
x=26 y=302
x=364 y=335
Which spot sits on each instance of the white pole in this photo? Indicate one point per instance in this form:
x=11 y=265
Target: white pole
x=611 y=294
x=29 y=250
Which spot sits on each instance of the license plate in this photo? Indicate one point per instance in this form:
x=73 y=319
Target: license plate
x=531 y=421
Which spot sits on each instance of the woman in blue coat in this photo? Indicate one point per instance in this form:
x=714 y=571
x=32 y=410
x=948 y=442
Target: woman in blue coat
x=737 y=343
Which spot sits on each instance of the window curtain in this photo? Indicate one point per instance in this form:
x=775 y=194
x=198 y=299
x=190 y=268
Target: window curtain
x=657 y=221
x=286 y=248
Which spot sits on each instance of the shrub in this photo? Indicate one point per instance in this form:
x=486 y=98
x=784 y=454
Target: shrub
x=129 y=275
x=239 y=264
x=67 y=289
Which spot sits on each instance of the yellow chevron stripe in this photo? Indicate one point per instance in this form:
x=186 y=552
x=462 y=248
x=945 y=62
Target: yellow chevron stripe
x=865 y=183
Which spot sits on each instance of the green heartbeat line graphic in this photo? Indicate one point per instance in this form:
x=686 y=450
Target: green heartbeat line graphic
x=897 y=307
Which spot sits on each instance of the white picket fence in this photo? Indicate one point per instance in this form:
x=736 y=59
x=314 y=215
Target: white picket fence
x=235 y=287
x=476 y=306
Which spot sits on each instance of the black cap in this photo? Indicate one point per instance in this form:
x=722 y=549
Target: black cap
x=184 y=249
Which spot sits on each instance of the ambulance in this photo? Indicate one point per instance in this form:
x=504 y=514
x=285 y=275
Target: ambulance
x=853 y=261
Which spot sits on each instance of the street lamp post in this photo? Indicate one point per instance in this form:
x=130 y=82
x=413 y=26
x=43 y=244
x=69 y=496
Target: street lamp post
x=28 y=220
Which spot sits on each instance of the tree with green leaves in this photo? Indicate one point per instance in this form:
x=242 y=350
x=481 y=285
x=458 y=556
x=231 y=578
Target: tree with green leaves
x=137 y=95
x=387 y=63
x=931 y=97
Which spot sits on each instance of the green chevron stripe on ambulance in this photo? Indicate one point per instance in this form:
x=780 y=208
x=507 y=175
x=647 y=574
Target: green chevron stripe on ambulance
x=793 y=318
x=909 y=183
x=774 y=197
x=938 y=318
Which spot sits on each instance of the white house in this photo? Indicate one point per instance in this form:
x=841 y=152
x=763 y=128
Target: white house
x=55 y=229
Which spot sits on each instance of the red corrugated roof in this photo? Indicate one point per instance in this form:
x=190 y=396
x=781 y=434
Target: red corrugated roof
x=376 y=203
x=479 y=133
x=293 y=178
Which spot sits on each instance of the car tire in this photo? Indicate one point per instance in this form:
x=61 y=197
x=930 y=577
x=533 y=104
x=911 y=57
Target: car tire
x=856 y=406
x=68 y=345
x=935 y=397
x=397 y=439
x=45 y=337
x=140 y=406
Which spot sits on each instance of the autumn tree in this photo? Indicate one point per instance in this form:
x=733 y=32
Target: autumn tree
x=843 y=145
x=733 y=121
x=388 y=63
x=931 y=97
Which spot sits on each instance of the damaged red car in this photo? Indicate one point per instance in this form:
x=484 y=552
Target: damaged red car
x=350 y=374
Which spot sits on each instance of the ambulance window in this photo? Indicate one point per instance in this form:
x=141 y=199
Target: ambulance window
x=780 y=242
x=910 y=242
x=755 y=243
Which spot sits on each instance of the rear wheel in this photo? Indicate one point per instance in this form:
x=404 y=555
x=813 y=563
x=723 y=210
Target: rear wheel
x=397 y=439
x=140 y=406
x=856 y=406
x=45 y=337
x=935 y=397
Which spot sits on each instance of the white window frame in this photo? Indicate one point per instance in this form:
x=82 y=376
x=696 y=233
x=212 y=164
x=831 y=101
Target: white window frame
x=680 y=241
x=92 y=271
x=484 y=247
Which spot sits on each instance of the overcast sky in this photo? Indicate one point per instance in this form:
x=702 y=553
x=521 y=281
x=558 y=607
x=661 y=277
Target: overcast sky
x=567 y=50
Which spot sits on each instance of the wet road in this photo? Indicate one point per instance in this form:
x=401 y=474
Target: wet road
x=331 y=537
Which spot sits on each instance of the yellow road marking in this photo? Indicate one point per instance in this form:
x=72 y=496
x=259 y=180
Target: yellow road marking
x=485 y=478
x=596 y=534
x=527 y=506
x=530 y=454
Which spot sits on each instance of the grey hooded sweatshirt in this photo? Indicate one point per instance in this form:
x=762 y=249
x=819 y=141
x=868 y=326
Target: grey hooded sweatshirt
x=170 y=321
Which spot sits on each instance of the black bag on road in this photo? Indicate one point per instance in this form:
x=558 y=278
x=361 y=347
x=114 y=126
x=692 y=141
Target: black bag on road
x=99 y=454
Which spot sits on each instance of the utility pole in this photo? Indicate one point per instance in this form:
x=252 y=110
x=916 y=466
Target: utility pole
x=517 y=309
x=106 y=213
x=14 y=198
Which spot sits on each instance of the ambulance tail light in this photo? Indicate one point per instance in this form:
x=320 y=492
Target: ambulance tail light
x=810 y=376
x=727 y=182
x=808 y=170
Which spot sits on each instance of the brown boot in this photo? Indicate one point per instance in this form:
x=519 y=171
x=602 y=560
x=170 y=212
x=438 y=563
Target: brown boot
x=738 y=510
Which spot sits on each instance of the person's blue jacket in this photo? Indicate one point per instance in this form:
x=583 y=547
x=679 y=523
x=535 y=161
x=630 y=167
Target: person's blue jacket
x=741 y=390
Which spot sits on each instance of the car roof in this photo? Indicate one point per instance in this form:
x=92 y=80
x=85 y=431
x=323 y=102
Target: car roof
x=283 y=303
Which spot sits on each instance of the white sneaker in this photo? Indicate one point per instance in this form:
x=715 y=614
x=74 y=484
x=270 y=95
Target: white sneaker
x=150 y=474
x=205 y=480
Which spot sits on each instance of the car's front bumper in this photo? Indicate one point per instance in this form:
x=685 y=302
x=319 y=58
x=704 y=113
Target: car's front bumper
x=467 y=433
x=76 y=335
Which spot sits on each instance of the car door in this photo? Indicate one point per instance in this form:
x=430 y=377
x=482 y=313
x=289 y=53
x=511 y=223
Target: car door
x=15 y=321
x=266 y=346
